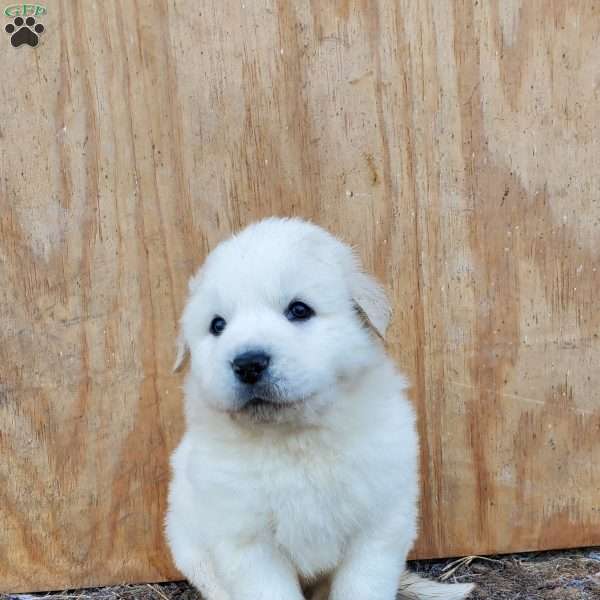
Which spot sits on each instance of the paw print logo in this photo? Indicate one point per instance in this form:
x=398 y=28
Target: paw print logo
x=24 y=31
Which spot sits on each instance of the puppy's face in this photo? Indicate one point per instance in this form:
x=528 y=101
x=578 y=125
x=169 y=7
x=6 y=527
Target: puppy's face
x=280 y=318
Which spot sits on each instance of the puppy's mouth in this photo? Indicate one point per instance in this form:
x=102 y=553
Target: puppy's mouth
x=267 y=402
x=261 y=397
x=266 y=409
x=257 y=402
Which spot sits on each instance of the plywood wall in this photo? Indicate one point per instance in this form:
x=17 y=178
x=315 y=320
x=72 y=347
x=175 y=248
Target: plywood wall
x=455 y=143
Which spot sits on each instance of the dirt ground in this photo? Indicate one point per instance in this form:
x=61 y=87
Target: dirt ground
x=569 y=575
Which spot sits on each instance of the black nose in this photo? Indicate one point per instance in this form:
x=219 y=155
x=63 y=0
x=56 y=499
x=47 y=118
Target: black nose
x=249 y=366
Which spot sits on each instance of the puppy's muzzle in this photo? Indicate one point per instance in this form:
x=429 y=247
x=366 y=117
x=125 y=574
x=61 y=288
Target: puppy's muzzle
x=249 y=367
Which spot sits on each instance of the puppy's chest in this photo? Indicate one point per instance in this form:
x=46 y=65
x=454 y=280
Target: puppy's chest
x=315 y=504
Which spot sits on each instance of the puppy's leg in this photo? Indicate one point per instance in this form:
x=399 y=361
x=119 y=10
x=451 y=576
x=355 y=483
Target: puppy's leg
x=370 y=571
x=198 y=568
x=374 y=569
x=256 y=571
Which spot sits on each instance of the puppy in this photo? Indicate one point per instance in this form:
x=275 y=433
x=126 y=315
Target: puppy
x=297 y=475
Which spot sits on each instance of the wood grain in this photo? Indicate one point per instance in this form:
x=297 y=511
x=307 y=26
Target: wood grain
x=455 y=144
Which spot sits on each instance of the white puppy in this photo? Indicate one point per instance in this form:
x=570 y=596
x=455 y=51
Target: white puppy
x=298 y=471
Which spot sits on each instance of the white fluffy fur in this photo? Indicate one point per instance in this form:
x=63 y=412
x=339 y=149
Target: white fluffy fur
x=319 y=495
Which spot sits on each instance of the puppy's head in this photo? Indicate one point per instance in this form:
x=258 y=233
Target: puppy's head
x=280 y=318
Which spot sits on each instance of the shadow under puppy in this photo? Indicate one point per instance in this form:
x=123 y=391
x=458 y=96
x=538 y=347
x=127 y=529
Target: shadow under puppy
x=298 y=472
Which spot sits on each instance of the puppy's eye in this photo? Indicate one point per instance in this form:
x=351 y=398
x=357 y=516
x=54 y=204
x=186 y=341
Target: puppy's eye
x=298 y=311
x=217 y=325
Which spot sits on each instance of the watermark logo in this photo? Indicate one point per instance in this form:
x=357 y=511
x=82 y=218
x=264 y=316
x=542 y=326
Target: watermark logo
x=25 y=10
x=24 y=29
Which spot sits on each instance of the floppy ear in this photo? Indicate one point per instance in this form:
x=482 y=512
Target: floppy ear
x=182 y=353
x=181 y=346
x=371 y=301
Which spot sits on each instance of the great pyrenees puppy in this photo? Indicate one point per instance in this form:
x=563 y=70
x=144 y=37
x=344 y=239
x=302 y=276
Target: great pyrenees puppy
x=297 y=476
